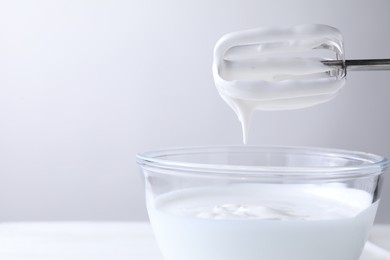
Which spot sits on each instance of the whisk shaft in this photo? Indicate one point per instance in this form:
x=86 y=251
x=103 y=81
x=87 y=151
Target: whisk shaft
x=360 y=65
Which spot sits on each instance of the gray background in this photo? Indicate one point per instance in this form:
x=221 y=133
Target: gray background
x=85 y=85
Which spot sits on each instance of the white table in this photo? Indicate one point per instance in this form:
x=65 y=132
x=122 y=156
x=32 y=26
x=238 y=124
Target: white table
x=109 y=241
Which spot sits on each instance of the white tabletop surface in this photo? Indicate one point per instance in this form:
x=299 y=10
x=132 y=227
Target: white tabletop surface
x=111 y=240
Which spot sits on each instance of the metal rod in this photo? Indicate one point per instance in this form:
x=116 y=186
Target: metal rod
x=360 y=65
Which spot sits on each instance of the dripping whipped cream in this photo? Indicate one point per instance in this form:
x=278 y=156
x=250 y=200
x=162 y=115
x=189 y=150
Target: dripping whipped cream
x=277 y=69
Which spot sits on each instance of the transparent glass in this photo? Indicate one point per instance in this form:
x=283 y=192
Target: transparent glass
x=251 y=203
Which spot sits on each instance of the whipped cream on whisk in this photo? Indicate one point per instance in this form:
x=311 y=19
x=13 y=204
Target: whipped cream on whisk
x=277 y=69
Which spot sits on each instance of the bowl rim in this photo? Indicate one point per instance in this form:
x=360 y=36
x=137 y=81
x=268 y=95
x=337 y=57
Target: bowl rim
x=158 y=161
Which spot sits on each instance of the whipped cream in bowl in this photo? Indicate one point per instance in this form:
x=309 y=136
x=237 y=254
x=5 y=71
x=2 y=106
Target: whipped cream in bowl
x=254 y=202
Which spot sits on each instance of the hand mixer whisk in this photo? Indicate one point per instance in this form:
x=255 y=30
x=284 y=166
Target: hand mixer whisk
x=283 y=68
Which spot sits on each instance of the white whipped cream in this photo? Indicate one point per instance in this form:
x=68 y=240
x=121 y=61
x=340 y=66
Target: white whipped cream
x=268 y=202
x=256 y=221
x=277 y=69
